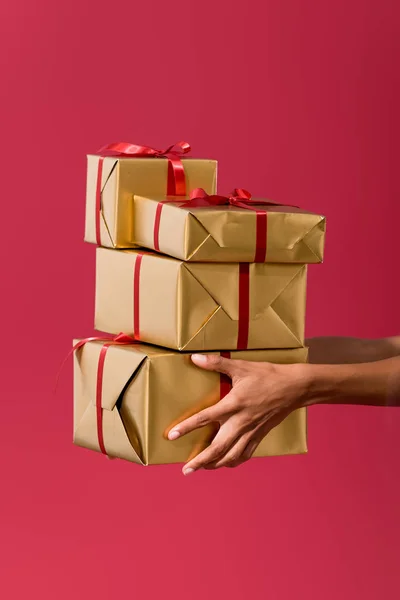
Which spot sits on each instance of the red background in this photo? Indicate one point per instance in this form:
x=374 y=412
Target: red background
x=299 y=100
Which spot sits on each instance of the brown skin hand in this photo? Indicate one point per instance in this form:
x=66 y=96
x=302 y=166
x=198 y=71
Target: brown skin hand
x=341 y=371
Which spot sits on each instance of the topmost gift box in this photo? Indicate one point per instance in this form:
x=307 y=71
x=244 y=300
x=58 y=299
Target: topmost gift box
x=139 y=196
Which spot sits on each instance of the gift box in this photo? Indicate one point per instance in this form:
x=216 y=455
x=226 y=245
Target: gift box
x=200 y=306
x=113 y=180
x=236 y=228
x=127 y=398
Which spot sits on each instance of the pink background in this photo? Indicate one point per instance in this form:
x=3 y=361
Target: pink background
x=299 y=100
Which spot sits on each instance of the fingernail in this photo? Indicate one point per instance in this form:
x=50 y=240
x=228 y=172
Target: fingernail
x=188 y=471
x=173 y=434
x=199 y=358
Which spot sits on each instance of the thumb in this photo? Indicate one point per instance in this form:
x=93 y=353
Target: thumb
x=214 y=362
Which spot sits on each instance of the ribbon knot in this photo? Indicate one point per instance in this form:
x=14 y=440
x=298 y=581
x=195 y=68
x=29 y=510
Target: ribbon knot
x=238 y=197
x=123 y=338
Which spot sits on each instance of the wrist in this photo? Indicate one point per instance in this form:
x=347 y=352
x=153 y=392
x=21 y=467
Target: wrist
x=325 y=383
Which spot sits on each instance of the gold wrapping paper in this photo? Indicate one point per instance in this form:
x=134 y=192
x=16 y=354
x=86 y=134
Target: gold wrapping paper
x=228 y=233
x=195 y=306
x=124 y=177
x=146 y=390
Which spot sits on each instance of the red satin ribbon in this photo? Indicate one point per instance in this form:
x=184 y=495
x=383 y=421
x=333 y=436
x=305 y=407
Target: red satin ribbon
x=120 y=339
x=244 y=306
x=157 y=220
x=225 y=383
x=99 y=394
x=240 y=198
x=98 y=200
x=136 y=296
x=176 y=182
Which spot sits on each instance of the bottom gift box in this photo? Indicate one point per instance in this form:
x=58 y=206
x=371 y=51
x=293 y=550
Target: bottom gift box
x=127 y=398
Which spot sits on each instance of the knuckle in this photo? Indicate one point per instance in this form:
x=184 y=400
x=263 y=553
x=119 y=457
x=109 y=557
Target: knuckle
x=234 y=457
x=201 y=420
x=219 y=448
x=214 y=359
x=232 y=401
x=241 y=365
x=247 y=422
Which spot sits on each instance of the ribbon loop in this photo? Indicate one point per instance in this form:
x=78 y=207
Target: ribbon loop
x=127 y=149
x=178 y=148
x=123 y=338
x=240 y=193
x=134 y=150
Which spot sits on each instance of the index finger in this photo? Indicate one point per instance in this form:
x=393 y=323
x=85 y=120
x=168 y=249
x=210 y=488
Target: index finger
x=213 y=414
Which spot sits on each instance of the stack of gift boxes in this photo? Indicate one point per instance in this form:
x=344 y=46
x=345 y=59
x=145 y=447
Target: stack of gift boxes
x=179 y=270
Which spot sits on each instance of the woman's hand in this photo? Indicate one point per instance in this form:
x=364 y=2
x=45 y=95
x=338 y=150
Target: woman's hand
x=263 y=394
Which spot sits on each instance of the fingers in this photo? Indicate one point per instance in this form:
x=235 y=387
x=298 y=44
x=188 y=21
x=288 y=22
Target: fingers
x=244 y=447
x=211 y=454
x=210 y=431
x=236 y=454
x=234 y=459
x=240 y=452
x=221 y=444
x=214 y=414
x=205 y=402
x=214 y=362
x=247 y=453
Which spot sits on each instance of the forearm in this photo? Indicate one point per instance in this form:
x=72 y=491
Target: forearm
x=346 y=350
x=376 y=383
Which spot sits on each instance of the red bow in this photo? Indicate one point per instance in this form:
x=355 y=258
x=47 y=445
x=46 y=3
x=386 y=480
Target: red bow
x=238 y=197
x=176 y=182
x=126 y=149
x=176 y=175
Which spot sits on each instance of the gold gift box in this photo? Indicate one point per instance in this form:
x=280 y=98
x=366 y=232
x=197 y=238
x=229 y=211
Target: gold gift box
x=146 y=390
x=124 y=177
x=227 y=233
x=195 y=306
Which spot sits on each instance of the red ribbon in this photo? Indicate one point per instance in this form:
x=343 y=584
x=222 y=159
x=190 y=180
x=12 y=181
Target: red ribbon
x=136 y=296
x=176 y=182
x=240 y=198
x=225 y=383
x=120 y=339
x=244 y=306
x=98 y=200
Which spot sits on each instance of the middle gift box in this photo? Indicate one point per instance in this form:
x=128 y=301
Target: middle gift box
x=200 y=306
